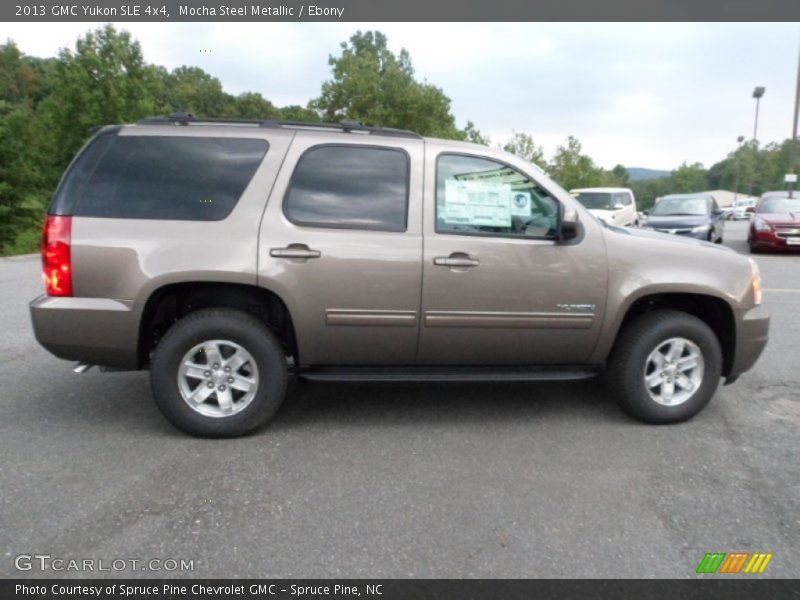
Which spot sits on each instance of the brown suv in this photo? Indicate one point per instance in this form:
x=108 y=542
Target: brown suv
x=223 y=255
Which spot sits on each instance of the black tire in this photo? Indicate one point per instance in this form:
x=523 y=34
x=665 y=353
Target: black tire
x=227 y=324
x=628 y=361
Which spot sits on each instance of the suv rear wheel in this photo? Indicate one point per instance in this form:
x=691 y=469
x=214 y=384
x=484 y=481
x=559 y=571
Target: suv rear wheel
x=218 y=373
x=666 y=367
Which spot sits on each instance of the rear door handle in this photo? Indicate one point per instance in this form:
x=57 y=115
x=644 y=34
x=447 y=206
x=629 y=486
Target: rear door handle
x=456 y=260
x=295 y=251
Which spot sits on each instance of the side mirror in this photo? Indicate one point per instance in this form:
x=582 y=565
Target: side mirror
x=619 y=206
x=646 y=213
x=717 y=211
x=569 y=227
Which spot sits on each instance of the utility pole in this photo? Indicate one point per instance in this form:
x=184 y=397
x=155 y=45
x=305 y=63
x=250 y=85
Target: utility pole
x=793 y=145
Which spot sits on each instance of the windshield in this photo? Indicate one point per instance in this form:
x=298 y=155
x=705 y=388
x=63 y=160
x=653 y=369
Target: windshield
x=745 y=203
x=595 y=200
x=681 y=206
x=779 y=205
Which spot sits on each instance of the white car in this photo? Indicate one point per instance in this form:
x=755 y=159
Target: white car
x=740 y=208
x=615 y=206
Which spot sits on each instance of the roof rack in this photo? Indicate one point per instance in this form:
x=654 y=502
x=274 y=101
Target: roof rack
x=344 y=126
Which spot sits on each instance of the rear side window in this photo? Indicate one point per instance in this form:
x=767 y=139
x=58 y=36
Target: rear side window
x=159 y=177
x=350 y=187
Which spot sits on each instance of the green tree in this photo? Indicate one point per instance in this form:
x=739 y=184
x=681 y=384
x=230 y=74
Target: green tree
x=618 y=177
x=689 y=178
x=752 y=170
x=105 y=80
x=647 y=190
x=299 y=113
x=192 y=90
x=22 y=184
x=473 y=134
x=572 y=169
x=373 y=85
x=522 y=145
x=23 y=192
x=251 y=105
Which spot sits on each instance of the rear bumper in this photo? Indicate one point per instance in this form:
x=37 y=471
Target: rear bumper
x=98 y=331
x=751 y=337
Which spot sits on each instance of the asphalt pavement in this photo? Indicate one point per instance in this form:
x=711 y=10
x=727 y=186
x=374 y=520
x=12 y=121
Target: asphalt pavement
x=412 y=480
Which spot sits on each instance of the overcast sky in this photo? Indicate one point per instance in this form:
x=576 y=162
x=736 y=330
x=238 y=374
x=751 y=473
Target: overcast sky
x=646 y=95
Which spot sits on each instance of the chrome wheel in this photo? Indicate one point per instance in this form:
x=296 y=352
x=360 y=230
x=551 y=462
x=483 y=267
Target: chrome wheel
x=218 y=378
x=674 y=371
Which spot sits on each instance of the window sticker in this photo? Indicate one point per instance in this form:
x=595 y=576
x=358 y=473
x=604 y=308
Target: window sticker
x=520 y=204
x=477 y=203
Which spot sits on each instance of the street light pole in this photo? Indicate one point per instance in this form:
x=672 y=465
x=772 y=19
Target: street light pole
x=757 y=94
x=793 y=145
x=739 y=141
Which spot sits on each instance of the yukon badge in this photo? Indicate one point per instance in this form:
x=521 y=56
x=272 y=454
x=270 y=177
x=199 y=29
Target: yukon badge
x=576 y=307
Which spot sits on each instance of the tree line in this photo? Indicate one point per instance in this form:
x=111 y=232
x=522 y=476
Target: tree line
x=48 y=107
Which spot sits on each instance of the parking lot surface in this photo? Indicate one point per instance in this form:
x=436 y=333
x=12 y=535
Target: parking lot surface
x=412 y=480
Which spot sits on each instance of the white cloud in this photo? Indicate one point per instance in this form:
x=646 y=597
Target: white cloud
x=652 y=94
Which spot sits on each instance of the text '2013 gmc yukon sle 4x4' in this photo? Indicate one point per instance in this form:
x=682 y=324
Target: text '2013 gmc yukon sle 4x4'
x=222 y=255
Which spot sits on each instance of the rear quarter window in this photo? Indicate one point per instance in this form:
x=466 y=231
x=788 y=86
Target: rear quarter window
x=159 y=177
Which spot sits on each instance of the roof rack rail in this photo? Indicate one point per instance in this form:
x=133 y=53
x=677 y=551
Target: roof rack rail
x=182 y=118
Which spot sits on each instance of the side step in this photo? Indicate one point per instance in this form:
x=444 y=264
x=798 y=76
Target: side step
x=449 y=373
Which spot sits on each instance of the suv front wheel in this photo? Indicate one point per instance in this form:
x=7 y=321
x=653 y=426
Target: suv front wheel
x=666 y=366
x=218 y=373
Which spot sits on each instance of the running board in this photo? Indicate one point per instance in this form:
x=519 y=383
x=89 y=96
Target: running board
x=448 y=373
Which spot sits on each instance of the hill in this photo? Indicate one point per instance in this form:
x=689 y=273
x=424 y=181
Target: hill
x=640 y=174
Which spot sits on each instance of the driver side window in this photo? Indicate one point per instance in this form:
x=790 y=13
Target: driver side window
x=479 y=196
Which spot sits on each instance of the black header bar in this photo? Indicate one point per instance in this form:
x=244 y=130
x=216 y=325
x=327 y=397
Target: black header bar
x=400 y=10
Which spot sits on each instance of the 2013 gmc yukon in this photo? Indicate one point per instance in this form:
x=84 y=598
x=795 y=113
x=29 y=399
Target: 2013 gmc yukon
x=224 y=255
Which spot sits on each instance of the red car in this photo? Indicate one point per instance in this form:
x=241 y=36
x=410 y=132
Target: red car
x=776 y=223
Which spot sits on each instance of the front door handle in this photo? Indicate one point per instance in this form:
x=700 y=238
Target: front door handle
x=456 y=260
x=295 y=251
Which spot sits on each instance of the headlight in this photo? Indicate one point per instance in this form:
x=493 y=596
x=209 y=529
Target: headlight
x=761 y=225
x=701 y=228
x=757 y=290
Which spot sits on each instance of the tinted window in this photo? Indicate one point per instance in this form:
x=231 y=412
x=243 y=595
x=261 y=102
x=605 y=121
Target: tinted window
x=350 y=187
x=680 y=205
x=481 y=196
x=595 y=200
x=156 y=177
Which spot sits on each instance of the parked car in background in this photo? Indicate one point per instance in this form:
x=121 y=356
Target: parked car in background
x=743 y=208
x=727 y=212
x=691 y=215
x=776 y=223
x=615 y=206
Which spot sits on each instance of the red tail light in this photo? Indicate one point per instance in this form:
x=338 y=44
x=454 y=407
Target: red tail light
x=56 y=256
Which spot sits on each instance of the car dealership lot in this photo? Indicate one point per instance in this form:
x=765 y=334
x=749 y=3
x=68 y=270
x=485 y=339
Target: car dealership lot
x=424 y=480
